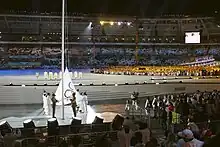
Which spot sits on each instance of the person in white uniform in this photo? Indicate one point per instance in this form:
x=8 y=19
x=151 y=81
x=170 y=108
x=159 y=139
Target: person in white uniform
x=85 y=102
x=81 y=103
x=44 y=96
x=147 y=108
x=48 y=105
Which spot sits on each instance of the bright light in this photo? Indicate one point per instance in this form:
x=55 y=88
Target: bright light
x=90 y=115
x=192 y=37
x=52 y=119
x=128 y=23
x=3 y=122
x=119 y=23
x=102 y=23
x=111 y=23
x=27 y=121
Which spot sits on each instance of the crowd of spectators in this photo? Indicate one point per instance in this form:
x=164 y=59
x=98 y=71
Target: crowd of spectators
x=189 y=119
x=101 y=57
x=136 y=134
x=161 y=70
x=151 y=56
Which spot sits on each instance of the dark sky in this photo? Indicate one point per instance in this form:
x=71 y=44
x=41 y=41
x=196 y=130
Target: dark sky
x=118 y=7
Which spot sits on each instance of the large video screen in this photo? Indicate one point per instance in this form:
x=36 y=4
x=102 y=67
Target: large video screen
x=192 y=37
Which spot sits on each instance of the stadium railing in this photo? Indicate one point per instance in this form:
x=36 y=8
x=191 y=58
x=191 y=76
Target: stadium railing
x=87 y=139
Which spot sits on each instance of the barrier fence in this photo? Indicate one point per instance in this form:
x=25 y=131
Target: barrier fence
x=87 y=139
x=136 y=112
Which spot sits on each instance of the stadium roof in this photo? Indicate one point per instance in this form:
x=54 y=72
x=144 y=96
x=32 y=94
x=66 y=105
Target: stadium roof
x=143 y=8
x=124 y=26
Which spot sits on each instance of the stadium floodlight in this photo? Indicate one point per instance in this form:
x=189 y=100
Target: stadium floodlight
x=128 y=23
x=52 y=127
x=102 y=23
x=5 y=127
x=119 y=23
x=111 y=23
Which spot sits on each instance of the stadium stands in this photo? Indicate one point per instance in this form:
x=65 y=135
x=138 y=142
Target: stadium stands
x=33 y=41
x=114 y=56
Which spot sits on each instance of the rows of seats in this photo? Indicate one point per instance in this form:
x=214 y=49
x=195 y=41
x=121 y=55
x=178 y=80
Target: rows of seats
x=89 y=56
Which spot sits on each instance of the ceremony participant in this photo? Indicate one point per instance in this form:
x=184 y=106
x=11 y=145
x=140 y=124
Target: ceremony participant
x=85 y=102
x=73 y=103
x=147 y=106
x=47 y=108
x=44 y=96
x=54 y=101
x=134 y=98
x=81 y=103
x=78 y=99
x=154 y=105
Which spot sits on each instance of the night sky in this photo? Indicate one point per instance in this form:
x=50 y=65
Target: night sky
x=118 y=7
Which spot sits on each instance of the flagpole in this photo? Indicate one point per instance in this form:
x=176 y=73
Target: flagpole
x=63 y=51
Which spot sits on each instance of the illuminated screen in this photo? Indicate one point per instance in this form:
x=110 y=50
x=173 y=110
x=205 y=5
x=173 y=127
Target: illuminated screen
x=192 y=37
